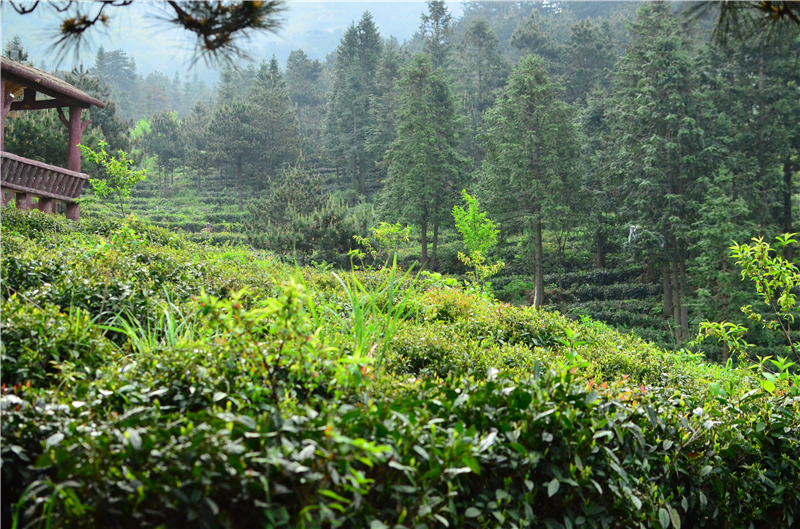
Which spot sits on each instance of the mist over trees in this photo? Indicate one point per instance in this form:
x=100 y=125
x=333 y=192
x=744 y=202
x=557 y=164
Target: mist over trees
x=596 y=134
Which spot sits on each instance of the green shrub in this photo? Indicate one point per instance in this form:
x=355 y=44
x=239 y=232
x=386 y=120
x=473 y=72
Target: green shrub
x=39 y=344
x=245 y=407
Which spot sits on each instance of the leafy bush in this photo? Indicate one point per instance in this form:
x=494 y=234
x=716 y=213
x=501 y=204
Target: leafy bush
x=241 y=403
x=40 y=343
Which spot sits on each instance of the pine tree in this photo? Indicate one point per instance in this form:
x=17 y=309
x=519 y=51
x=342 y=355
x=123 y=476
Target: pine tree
x=195 y=125
x=588 y=59
x=118 y=71
x=532 y=147
x=114 y=129
x=234 y=140
x=384 y=105
x=166 y=139
x=425 y=170
x=437 y=31
x=481 y=73
x=348 y=117
x=277 y=127
x=305 y=82
x=533 y=37
x=722 y=220
x=661 y=112
x=15 y=51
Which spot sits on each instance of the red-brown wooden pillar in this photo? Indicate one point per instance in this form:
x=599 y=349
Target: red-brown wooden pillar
x=5 y=104
x=75 y=127
x=75 y=132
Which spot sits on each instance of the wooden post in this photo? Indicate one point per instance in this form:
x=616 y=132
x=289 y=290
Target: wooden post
x=5 y=101
x=75 y=133
x=75 y=127
x=23 y=201
x=46 y=205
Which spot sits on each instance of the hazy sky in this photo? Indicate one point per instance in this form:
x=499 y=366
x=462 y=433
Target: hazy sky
x=314 y=26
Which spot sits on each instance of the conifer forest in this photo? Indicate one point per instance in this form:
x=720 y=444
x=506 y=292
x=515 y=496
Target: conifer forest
x=535 y=265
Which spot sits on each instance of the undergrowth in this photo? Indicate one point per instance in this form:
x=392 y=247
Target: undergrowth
x=151 y=381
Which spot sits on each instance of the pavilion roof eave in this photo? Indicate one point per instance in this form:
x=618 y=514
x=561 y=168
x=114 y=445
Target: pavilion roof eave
x=25 y=76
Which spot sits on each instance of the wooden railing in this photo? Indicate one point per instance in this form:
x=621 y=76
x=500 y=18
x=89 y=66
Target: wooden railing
x=38 y=179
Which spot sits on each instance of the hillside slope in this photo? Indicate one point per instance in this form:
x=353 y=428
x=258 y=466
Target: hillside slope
x=149 y=381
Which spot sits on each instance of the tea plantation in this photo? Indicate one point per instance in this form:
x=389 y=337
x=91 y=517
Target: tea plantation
x=153 y=381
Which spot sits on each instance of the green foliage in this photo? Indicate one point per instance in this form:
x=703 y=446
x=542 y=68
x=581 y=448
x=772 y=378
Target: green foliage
x=119 y=180
x=775 y=280
x=353 y=86
x=261 y=405
x=480 y=235
x=478 y=231
x=425 y=167
x=324 y=233
x=388 y=237
x=44 y=346
x=531 y=153
x=41 y=136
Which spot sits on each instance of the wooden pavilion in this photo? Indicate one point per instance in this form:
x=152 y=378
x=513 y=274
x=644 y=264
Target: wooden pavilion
x=26 y=179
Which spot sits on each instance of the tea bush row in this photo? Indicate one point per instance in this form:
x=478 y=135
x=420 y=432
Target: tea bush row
x=235 y=398
x=194 y=436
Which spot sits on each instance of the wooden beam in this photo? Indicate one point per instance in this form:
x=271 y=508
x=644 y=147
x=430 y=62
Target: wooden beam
x=68 y=101
x=42 y=104
x=35 y=192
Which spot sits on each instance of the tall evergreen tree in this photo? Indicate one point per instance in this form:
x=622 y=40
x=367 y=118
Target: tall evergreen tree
x=532 y=147
x=348 y=117
x=195 y=125
x=15 y=51
x=235 y=140
x=277 y=127
x=305 y=82
x=166 y=139
x=425 y=169
x=437 y=33
x=384 y=104
x=588 y=59
x=115 y=130
x=600 y=179
x=660 y=113
x=118 y=71
x=482 y=71
x=533 y=37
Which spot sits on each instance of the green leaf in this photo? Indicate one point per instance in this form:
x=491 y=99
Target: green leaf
x=472 y=463
x=331 y=494
x=134 y=438
x=663 y=518
x=472 y=512
x=53 y=440
x=553 y=487
x=636 y=502
x=676 y=520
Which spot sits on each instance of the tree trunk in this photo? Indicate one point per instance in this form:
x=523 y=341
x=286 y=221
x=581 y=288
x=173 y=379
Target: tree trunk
x=682 y=288
x=362 y=179
x=667 y=289
x=239 y=184
x=676 y=305
x=424 y=253
x=434 y=261
x=600 y=240
x=788 y=174
x=538 y=272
